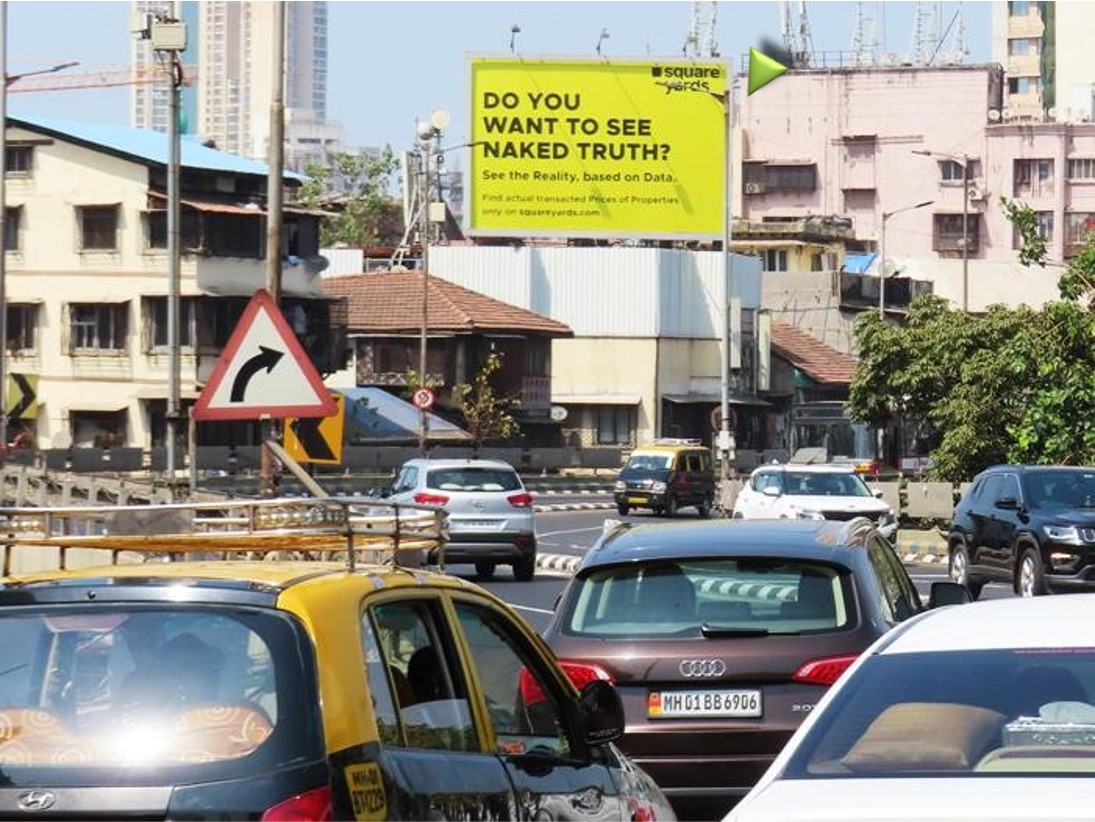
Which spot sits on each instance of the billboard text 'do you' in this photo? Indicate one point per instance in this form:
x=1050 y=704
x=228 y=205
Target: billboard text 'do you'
x=597 y=149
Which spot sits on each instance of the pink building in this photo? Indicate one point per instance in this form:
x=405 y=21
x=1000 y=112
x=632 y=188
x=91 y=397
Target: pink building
x=866 y=142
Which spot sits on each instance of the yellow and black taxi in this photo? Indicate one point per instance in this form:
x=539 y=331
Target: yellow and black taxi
x=253 y=683
x=666 y=475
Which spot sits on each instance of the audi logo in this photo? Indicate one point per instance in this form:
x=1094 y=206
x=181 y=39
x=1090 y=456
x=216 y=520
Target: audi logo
x=36 y=800
x=701 y=667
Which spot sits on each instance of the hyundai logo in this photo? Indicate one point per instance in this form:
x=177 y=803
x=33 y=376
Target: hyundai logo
x=36 y=800
x=701 y=667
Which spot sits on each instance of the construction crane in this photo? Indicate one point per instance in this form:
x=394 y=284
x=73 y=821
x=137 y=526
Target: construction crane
x=104 y=78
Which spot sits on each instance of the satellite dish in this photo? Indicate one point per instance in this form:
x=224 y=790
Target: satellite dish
x=1052 y=113
x=889 y=267
x=994 y=115
x=440 y=119
x=558 y=413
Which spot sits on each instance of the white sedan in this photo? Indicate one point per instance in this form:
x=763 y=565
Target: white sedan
x=812 y=492
x=982 y=712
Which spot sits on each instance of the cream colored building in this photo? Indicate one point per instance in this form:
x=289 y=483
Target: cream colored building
x=87 y=275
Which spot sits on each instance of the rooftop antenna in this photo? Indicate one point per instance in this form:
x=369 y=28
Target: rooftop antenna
x=692 y=41
x=712 y=46
x=604 y=36
x=513 y=32
x=806 y=39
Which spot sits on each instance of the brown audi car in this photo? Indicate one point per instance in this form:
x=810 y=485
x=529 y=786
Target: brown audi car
x=721 y=636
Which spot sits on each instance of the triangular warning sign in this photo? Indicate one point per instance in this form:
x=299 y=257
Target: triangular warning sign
x=263 y=371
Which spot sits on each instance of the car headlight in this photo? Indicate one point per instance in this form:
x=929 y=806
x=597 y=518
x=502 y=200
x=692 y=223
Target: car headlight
x=1068 y=534
x=620 y=485
x=657 y=487
x=806 y=513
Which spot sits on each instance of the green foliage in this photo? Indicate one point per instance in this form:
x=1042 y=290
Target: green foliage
x=366 y=215
x=1034 y=244
x=486 y=413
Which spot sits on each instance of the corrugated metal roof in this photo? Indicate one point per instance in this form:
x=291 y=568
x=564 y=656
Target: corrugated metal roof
x=144 y=145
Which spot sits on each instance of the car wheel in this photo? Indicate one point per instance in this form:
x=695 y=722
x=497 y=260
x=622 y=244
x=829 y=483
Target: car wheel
x=960 y=571
x=671 y=507
x=485 y=570
x=524 y=569
x=1030 y=580
x=622 y=508
x=704 y=508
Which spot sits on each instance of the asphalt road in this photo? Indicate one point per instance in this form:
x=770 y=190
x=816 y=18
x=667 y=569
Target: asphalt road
x=573 y=532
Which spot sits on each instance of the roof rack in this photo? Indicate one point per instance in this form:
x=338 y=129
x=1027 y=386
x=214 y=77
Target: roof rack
x=313 y=528
x=676 y=441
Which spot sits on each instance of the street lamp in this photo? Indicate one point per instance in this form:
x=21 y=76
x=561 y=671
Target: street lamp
x=964 y=161
x=7 y=80
x=882 y=262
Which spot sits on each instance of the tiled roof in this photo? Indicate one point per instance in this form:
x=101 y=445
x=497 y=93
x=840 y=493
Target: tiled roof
x=392 y=302
x=820 y=362
x=142 y=144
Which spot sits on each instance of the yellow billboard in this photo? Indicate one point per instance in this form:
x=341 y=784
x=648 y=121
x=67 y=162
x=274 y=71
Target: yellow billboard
x=597 y=148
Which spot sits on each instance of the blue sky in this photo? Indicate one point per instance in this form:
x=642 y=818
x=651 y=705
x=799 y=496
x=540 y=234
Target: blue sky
x=391 y=62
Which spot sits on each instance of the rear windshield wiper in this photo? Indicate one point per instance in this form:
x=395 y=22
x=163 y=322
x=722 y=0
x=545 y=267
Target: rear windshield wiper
x=723 y=631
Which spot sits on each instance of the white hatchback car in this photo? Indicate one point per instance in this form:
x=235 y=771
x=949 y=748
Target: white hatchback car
x=984 y=712
x=491 y=519
x=792 y=491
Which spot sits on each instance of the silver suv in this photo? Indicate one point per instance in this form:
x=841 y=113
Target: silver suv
x=490 y=512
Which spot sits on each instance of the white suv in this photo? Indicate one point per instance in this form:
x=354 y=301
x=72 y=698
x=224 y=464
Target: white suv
x=812 y=492
x=490 y=512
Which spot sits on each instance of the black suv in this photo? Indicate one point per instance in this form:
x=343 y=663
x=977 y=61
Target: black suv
x=1030 y=525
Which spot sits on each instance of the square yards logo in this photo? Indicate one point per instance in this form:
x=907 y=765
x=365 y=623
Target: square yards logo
x=687 y=76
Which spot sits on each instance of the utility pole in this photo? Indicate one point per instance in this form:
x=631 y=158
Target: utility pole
x=3 y=231
x=174 y=252
x=275 y=152
x=965 y=233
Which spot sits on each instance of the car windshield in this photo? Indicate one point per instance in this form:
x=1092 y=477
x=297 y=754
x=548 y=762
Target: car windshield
x=958 y=713
x=829 y=484
x=1061 y=488
x=466 y=478
x=146 y=692
x=649 y=462
x=710 y=597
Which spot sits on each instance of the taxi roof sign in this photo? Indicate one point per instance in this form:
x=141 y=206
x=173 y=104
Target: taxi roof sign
x=263 y=371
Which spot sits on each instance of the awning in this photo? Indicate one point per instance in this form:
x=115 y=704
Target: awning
x=372 y=414
x=858 y=263
x=714 y=398
x=595 y=399
x=214 y=207
x=159 y=392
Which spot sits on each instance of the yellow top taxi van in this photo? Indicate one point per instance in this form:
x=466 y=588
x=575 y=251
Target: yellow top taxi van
x=272 y=660
x=666 y=475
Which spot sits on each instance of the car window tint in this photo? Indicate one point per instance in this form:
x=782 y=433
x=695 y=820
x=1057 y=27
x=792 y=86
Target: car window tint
x=1061 y=488
x=473 y=479
x=650 y=462
x=163 y=690
x=406 y=479
x=522 y=706
x=432 y=697
x=993 y=489
x=825 y=484
x=382 y=680
x=767 y=480
x=691 y=462
x=675 y=599
x=896 y=602
x=973 y=714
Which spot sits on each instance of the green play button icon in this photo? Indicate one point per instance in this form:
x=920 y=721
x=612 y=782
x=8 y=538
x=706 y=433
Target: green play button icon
x=762 y=70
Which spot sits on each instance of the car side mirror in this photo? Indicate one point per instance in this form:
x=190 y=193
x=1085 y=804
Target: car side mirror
x=877 y=493
x=601 y=712
x=1008 y=503
x=948 y=593
x=771 y=491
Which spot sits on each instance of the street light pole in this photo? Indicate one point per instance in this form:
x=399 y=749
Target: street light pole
x=964 y=160
x=726 y=445
x=882 y=251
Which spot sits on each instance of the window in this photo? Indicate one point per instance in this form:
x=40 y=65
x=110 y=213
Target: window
x=1024 y=85
x=190 y=235
x=97 y=327
x=521 y=702
x=98 y=429
x=792 y=177
x=775 y=259
x=1022 y=45
x=1019 y=8
x=434 y=712
x=22 y=327
x=1033 y=178
x=381 y=686
x=950 y=171
x=156 y=317
x=1045 y=228
x=18 y=160
x=614 y=425
x=1078 y=227
x=98 y=227
x=901 y=599
x=408 y=477
x=13 y=220
x=948 y=235
x=1081 y=168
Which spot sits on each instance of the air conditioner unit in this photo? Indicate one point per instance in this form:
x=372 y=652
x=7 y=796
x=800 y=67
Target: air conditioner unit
x=1051 y=113
x=977 y=195
x=755 y=188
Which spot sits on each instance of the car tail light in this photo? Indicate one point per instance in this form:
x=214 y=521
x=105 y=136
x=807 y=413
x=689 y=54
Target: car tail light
x=520 y=500
x=424 y=498
x=824 y=671
x=312 y=806
x=531 y=692
x=582 y=673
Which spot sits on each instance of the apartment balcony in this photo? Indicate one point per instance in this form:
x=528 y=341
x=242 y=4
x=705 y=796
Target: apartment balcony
x=823 y=229
x=860 y=291
x=535 y=396
x=1028 y=25
x=1024 y=65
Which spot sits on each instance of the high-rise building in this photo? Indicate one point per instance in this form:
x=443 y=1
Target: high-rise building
x=232 y=45
x=151 y=102
x=1045 y=49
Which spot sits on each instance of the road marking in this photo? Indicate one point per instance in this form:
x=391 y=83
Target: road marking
x=530 y=608
x=544 y=534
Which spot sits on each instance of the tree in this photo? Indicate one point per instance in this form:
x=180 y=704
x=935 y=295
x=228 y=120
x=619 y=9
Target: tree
x=486 y=413
x=364 y=214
